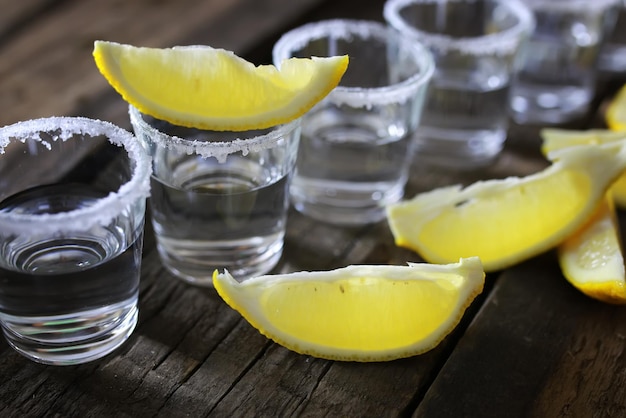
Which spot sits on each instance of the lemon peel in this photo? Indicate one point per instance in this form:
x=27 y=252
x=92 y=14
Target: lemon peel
x=357 y=313
x=506 y=221
x=615 y=115
x=555 y=139
x=214 y=89
x=592 y=259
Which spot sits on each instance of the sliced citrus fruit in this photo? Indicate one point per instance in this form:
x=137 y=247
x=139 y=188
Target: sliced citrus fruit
x=555 y=139
x=506 y=221
x=209 y=88
x=357 y=313
x=592 y=260
x=615 y=116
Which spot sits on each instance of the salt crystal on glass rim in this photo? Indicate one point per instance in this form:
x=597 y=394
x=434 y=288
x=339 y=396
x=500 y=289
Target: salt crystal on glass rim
x=338 y=29
x=103 y=210
x=501 y=43
x=219 y=150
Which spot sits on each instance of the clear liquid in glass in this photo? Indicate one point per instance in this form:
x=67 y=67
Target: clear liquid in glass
x=209 y=215
x=71 y=298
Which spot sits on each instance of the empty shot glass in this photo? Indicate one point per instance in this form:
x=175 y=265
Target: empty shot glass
x=70 y=237
x=475 y=45
x=556 y=81
x=357 y=143
x=218 y=200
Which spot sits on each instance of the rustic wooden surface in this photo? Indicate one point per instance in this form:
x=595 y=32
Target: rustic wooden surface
x=529 y=346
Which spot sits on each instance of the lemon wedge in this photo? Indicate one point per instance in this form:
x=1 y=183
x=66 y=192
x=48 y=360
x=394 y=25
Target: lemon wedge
x=506 y=221
x=214 y=89
x=555 y=139
x=592 y=260
x=357 y=313
x=615 y=115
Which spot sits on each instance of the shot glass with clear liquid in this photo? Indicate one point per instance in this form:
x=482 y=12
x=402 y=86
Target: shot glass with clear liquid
x=613 y=51
x=218 y=200
x=556 y=81
x=70 y=237
x=474 y=44
x=357 y=143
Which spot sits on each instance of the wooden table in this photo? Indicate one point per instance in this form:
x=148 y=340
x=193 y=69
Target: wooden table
x=530 y=345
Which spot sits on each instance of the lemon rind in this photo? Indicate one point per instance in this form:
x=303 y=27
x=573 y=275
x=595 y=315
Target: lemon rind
x=262 y=119
x=470 y=270
x=602 y=162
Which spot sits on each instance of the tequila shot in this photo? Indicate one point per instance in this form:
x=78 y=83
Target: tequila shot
x=556 y=81
x=218 y=200
x=70 y=237
x=475 y=45
x=357 y=143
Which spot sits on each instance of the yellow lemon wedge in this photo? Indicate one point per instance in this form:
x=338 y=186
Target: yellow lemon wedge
x=214 y=89
x=556 y=139
x=360 y=312
x=505 y=221
x=615 y=115
x=592 y=260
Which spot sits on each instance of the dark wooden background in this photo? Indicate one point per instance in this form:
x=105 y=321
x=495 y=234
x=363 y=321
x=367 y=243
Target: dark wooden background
x=530 y=345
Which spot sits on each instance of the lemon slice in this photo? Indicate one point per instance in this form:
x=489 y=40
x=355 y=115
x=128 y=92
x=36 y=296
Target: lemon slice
x=208 y=88
x=615 y=115
x=357 y=313
x=555 y=139
x=506 y=221
x=592 y=261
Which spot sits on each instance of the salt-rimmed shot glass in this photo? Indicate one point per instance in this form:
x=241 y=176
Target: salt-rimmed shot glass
x=475 y=47
x=357 y=143
x=219 y=200
x=70 y=237
x=557 y=79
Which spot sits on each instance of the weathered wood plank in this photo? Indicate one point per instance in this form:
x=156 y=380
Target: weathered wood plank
x=17 y=14
x=48 y=68
x=191 y=355
x=537 y=348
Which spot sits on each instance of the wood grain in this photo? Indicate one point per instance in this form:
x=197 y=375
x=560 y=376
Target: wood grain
x=530 y=346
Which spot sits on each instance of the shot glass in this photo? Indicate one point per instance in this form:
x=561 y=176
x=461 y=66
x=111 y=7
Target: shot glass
x=556 y=81
x=70 y=237
x=357 y=143
x=218 y=200
x=613 y=51
x=474 y=44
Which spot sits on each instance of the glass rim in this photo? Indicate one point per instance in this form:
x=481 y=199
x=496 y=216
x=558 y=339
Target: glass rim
x=219 y=149
x=572 y=5
x=105 y=208
x=500 y=43
x=360 y=96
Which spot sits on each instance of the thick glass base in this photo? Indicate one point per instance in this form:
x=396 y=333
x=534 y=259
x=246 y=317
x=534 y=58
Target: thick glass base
x=345 y=203
x=195 y=261
x=458 y=149
x=70 y=339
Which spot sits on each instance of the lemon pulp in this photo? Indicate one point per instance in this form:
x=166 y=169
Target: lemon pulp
x=555 y=139
x=358 y=313
x=592 y=260
x=507 y=221
x=210 y=88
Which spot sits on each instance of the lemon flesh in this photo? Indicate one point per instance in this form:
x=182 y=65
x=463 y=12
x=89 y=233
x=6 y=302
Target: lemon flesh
x=357 y=313
x=214 y=89
x=507 y=221
x=592 y=260
x=555 y=139
x=615 y=115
